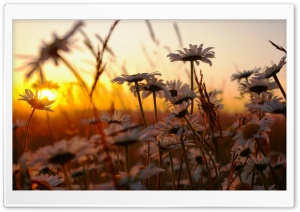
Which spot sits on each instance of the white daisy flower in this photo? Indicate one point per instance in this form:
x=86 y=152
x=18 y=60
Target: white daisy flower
x=274 y=106
x=168 y=126
x=194 y=53
x=135 y=78
x=116 y=118
x=259 y=99
x=176 y=87
x=270 y=71
x=151 y=86
x=245 y=74
x=260 y=162
x=130 y=137
x=182 y=96
x=180 y=110
x=249 y=132
x=35 y=102
x=46 y=182
x=77 y=150
x=257 y=85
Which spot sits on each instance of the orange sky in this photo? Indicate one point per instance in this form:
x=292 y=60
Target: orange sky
x=239 y=45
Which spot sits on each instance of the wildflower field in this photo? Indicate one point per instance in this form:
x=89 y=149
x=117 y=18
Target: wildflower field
x=84 y=118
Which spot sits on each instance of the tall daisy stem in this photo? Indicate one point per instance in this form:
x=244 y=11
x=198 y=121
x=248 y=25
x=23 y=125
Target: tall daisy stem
x=207 y=152
x=279 y=85
x=187 y=163
x=172 y=169
x=180 y=169
x=192 y=85
x=140 y=103
x=64 y=168
x=26 y=134
x=155 y=107
x=263 y=180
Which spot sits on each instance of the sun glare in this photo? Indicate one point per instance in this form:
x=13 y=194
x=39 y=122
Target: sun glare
x=47 y=94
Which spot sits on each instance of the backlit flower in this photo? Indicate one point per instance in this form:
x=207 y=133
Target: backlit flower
x=168 y=126
x=194 y=53
x=270 y=71
x=251 y=131
x=245 y=74
x=258 y=86
x=260 y=162
x=116 y=118
x=134 y=78
x=176 y=87
x=35 y=102
x=275 y=106
x=46 y=182
x=77 y=150
x=181 y=110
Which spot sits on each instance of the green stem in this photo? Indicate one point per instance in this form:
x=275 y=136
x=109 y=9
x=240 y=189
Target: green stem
x=172 y=169
x=186 y=162
x=192 y=85
x=26 y=134
x=279 y=85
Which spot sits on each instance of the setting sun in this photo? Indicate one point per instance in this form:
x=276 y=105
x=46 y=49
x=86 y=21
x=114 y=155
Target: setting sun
x=48 y=94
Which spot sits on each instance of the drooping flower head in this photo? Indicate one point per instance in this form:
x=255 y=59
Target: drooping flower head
x=270 y=71
x=244 y=75
x=194 y=53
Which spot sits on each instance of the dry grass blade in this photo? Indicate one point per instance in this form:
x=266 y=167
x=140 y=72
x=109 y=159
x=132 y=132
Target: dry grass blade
x=109 y=50
x=151 y=32
x=178 y=34
x=88 y=43
x=278 y=47
x=100 y=68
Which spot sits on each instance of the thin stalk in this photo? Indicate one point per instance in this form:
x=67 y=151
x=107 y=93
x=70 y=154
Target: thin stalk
x=50 y=129
x=279 y=85
x=26 y=134
x=210 y=157
x=264 y=180
x=208 y=170
x=253 y=177
x=180 y=169
x=155 y=107
x=186 y=162
x=271 y=168
x=238 y=174
x=118 y=159
x=172 y=169
x=192 y=85
x=140 y=103
x=160 y=164
x=64 y=168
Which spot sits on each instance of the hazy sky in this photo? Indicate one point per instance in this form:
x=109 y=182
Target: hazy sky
x=239 y=45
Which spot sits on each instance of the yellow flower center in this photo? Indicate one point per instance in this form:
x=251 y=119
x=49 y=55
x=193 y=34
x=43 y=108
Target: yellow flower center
x=250 y=130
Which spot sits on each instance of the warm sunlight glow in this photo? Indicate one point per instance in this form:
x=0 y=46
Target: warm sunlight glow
x=48 y=94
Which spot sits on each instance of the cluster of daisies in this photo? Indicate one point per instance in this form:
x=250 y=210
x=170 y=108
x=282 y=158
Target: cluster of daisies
x=180 y=150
